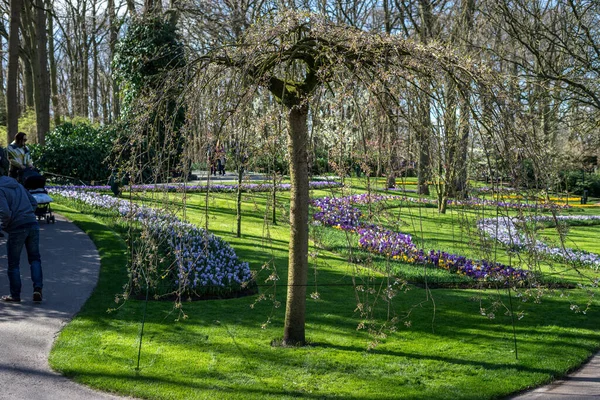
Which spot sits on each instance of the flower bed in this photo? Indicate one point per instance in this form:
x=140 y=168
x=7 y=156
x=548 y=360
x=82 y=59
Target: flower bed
x=340 y=213
x=468 y=203
x=505 y=230
x=204 y=263
x=246 y=187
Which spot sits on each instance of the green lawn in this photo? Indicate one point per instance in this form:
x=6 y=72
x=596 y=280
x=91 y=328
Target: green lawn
x=446 y=343
x=577 y=237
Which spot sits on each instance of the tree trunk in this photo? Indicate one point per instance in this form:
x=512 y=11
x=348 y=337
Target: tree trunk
x=294 y=330
x=95 y=108
x=274 y=198
x=114 y=28
x=423 y=139
x=239 y=201
x=28 y=80
x=42 y=86
x=52 y=61
x=424 y=107
x=85 y=69
x=105 y=101
x=460 y=181
x=131 y=8
x=2 y=87
x=12 y=99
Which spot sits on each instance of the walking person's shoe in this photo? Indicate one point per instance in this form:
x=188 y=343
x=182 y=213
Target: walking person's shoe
x=37 y=295
x=9 y=299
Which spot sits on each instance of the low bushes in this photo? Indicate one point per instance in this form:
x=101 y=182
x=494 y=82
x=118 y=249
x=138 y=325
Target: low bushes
x=80 y=151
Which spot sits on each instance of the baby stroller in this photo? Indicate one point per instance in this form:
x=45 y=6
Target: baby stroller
x=35 y=184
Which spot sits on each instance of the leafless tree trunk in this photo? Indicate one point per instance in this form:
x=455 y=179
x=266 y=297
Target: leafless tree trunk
x=52 y=60
x=94 y=40
x=424 y=107
x=114 y=28
x=12 y=100
x=42 y=81
x=28 y=79
x=460 y=181
x=84 y=64
x=294 y=329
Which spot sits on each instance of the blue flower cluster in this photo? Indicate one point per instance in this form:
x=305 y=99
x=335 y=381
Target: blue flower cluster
x=202 y=259
x=215 y=187
x=469 y=203
x=341 y=214
x=505 y=230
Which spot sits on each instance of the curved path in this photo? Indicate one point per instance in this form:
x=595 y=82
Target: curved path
x=583 y=384
x=71 y=264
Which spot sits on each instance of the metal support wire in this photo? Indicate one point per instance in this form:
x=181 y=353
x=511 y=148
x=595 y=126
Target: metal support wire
x=512 y=318
x=137 y=368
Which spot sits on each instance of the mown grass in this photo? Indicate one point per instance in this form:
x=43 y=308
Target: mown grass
x=577 y=237
x=447 y=344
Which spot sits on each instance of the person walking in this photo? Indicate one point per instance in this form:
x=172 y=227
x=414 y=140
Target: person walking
x=19 y=155
x=17 y=218
x=220 y=159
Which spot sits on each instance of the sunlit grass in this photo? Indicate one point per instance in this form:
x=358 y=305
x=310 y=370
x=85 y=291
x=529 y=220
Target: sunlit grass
x=447 y=343
x=577 y=237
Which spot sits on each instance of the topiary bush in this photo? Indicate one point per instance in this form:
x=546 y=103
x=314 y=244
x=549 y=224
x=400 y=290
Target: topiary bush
x=79 y=151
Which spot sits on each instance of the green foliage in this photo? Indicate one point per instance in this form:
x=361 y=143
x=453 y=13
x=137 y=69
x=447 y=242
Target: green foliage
x=150 y=49
x=266 y=164
x=27 y=124
x=144 y=65
x=576 y=181
x=76 y=150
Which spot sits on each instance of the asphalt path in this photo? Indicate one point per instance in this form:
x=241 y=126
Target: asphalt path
x=71 y=264
x=583 y=384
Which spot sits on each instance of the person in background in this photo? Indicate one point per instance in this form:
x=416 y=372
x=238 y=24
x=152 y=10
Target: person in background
x=17 y=218
x=220 y=159
x=19 y=156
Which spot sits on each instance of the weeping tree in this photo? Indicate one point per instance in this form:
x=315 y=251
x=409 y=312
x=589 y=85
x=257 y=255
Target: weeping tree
x=292 y=55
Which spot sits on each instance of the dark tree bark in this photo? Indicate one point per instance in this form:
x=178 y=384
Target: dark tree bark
x=424 y=107
x=52 y=60
x=12 y=100
x=85 y=68
x=42 y=81
x=94 y=39
x=466 y=24
x=28 y=82
x=114 y=29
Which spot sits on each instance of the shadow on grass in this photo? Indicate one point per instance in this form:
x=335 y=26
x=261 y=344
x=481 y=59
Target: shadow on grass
x=237 y=327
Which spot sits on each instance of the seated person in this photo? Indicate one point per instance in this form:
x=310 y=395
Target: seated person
x=19 y=156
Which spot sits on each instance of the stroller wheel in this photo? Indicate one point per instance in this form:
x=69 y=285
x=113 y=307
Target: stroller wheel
x=52 y=219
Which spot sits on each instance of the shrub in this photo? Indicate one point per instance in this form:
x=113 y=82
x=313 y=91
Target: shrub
x=574 y=182
x=77 y=151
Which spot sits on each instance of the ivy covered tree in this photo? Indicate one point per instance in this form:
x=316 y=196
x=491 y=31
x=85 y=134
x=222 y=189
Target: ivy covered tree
x=145 y=58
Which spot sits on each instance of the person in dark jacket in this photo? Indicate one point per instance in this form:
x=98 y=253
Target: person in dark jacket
x=17 y=218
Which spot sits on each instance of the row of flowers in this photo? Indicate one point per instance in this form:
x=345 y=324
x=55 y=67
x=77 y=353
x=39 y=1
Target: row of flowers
x=467 y=203
x=506 y=231
x=201 y=258
x=341 y=213
x=247 y=187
